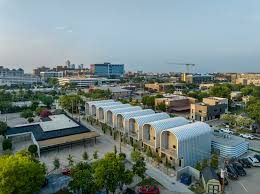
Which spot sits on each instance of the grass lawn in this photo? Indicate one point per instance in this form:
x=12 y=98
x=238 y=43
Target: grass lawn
x=197 y=188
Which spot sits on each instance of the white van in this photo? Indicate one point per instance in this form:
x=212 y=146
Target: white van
x=254 y=161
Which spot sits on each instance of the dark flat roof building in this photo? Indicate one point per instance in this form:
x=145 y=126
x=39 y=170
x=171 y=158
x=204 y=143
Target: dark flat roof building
x=53 y=132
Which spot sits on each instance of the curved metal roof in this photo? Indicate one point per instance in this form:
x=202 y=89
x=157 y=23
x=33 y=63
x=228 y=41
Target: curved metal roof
x=149 y=118
x=107 y=108
x=126 y=109
x=167 y=124
x=190 y=131
x=98 y=102
x=127 y=115
x=107 y=104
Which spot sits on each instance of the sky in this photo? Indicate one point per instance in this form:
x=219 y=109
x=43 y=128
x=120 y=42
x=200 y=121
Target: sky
x=216 y=36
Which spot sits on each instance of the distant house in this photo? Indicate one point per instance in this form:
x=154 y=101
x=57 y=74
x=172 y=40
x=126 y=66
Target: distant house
x=210 y=181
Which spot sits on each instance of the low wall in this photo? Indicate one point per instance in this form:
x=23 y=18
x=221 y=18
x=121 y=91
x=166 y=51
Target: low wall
x=195 y=174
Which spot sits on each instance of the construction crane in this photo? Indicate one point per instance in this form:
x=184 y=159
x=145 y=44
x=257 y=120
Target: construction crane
x=188 y=65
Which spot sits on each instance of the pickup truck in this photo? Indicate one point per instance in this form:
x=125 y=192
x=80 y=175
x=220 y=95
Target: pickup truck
x=247 y=136
x=227 y=131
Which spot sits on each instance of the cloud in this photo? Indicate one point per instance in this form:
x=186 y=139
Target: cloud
x=64 y=28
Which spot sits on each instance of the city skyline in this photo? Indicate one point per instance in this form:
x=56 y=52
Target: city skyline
x=216 y=36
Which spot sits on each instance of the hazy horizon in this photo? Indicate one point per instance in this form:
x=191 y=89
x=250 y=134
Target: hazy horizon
x=217 y=36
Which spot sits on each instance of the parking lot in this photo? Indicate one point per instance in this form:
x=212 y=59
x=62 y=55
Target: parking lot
x=13 y=119
x=247 y=184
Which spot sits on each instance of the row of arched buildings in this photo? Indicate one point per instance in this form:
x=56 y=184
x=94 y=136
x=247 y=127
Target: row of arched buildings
x=183 y=142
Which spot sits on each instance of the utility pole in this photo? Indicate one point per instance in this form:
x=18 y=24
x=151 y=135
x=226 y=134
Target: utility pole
x=72 y=108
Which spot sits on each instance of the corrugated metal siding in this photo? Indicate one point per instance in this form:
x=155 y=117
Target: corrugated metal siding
x=90 y=103
x=105 y=109
x=108 y=104
x=231 y=151
x=140 y=120
x=115 y=112
x=194 y=142
x=166 y=124
x=128 y=115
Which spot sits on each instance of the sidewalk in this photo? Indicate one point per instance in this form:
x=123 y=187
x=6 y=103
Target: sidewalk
x=168 y=182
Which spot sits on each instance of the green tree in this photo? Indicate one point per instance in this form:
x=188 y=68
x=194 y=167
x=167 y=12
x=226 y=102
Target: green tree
x=139 y=168
x=214 y=161
x=115 y=149
x=229 y=118
x=38 y=110
x=204 y=163
x=95 y=154
x=198 y=166
x=256 y=92
x=247 y=90
x=135 y=155
x=220 y=91
x=85 y=156
x=30 y=119
x=70 y=102
x=7 y=144
x=19 y=174
x=70 y=160
x=33 y=149
x=52 y=81
x=148 y=100
x=243 y=121
x=56 y=163
x=27 y=113
x=83 y=179
x=149 y=152
x=3 y=127
x=110 y=173
x=161 y=107
x=253 y=107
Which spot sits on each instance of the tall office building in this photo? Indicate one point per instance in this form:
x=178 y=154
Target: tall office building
x=67 y=63
x=107 y=70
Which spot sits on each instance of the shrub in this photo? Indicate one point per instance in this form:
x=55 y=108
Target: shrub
x=27 y=113
x=7 y=144
x=3 y=127
x=44 y=113
x=30 y=119
x=33 y=149
x=123 y=155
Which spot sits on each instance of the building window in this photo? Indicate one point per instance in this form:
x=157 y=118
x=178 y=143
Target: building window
x=153 y=138
x=170 y=158
x=213 y=189
x=174 y=146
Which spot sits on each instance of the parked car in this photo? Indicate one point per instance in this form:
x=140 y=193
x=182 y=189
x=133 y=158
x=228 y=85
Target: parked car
x=247 y=136
x=66 y=171
x=239 y=169
x=227 y=131
x=254 y=161
x=244 y=162
x=257 y=156
x=231 y=172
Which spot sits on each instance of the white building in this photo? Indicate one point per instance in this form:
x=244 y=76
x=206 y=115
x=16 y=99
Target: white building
x=26 y=79
x=229 y=146
x=51 y=74
x=84 y=82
